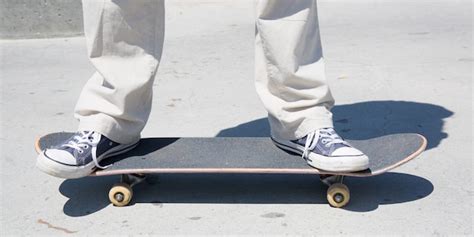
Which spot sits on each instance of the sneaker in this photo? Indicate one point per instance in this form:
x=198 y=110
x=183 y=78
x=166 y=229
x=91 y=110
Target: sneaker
x=324 y=149
x=80 y=155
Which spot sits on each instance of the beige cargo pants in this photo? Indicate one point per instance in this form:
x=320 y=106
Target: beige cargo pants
x=125 y=41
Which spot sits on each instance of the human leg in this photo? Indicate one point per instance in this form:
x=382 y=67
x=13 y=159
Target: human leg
x=290 y=79
x=289 y=72
x=124 y=41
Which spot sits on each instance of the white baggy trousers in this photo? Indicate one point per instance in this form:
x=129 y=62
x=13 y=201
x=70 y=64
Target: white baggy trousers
x=125 y=40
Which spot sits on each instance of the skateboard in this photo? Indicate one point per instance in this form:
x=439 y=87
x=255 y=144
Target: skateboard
x=241 y=155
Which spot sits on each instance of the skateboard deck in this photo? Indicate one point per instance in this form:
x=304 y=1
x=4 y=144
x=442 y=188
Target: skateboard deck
x=243 y=155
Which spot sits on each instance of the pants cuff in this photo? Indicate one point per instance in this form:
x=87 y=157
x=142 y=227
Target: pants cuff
x=303 y=129
x=108 y=127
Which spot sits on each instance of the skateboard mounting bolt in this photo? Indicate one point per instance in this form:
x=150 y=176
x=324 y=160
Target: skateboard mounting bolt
x=338 y=198
x=119 y=197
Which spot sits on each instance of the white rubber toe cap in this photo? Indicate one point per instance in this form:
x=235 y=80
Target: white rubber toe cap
x=60 y=156
x=347 y=151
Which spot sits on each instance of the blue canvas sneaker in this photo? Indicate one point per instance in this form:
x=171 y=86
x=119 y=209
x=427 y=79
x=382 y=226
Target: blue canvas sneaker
x=324 y=149
x=79 y=155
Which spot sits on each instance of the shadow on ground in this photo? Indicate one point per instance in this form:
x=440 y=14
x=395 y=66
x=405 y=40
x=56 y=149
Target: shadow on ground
x=370 y=119
x=89 y=195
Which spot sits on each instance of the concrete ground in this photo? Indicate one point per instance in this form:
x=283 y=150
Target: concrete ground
x=393 y=67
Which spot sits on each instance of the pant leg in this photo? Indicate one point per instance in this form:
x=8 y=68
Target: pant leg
x=289 y=72
x=124 y=41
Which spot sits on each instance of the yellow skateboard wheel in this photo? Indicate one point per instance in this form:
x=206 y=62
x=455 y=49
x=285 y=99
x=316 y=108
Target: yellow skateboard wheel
x=338 y=195
x=120 y=194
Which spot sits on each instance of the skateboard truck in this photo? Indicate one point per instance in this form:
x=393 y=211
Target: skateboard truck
x=121 y=193
x=338 y=194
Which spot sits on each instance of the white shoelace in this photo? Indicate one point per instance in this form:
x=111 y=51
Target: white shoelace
x=326 y=137
x=83 y=141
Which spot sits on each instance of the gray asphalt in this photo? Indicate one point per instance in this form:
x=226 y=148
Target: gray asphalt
x=394 y=67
